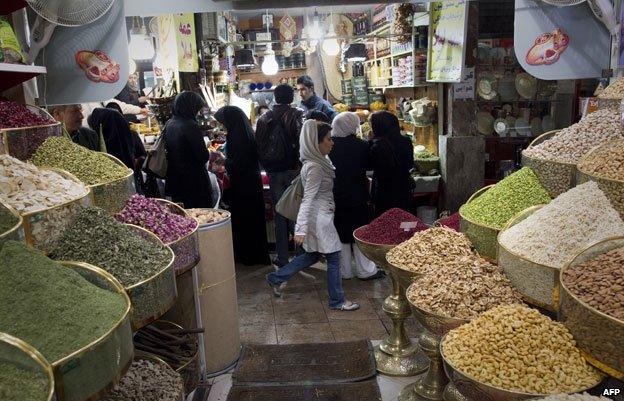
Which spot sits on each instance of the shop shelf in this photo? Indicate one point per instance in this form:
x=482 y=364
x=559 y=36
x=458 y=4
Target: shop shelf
x=15 y=74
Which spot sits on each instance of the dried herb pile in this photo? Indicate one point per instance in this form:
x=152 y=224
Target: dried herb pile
x=52 y=307
x=7 y=220
x=18 y=384
x=97 y=238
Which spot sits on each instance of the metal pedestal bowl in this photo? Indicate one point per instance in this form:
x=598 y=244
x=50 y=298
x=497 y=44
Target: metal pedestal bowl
x=396 y=355
x=431 y=384
x=600 y=337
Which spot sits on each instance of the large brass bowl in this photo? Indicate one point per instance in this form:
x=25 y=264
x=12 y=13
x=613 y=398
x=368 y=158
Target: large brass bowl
x=536 y=282
x=15 y=233
x=483 y=237
x=112 y=195
x=600 y=337
x=186 y=248
x=556 y=177
x=153 y=297
x=22 y=355
x=88 y=373
x=474 y=390
x=613 y=189
x=375 y=252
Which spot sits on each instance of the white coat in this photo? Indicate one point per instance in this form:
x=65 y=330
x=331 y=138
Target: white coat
x=316 y=213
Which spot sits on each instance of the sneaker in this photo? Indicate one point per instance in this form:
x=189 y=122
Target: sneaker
x=347 y=306
x=376 y=276
x=277 y=264
x=276 y=288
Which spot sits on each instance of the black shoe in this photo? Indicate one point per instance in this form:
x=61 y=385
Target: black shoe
x=277 y=264
x=380 y=274
x=276 y=288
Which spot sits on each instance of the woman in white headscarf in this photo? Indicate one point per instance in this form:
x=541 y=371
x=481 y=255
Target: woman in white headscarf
x=315 y=229
x=351 y=157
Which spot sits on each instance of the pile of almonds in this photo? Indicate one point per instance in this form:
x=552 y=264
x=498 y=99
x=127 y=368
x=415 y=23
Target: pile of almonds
x=432 y=249
x=606 y=161
x=208 y=216
x=516 y=348
x=599 y=282
x=463 y=291
x=614 y=91
x=570 y=144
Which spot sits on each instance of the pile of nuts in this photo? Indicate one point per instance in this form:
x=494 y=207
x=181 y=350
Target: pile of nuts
x=557 y=232
x=516 y=348
x=431 y=249
x=570 y=144
x=208 y=216
x=90 y=167
x=599 y=282
x=28 y=189
x=463 y=290
x=614 y=91
x=510 y=196
x=607 y=161
x=573 y=397
x=147 y=381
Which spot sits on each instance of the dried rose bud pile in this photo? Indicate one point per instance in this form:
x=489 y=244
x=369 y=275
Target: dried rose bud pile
x=386 y=229
x=155 y=217
x=16 y=115
x=451 y=222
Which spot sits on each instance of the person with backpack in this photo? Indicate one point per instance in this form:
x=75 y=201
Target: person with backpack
x=277 y=139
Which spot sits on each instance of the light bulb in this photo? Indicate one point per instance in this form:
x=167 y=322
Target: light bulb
x=315 y=31
x=269 y=64
x=331 y=46
x=141 y=46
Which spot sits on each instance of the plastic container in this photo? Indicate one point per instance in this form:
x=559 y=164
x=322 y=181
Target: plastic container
x=154 y=296
x=88 y=373
x=22 y=142
x=112 y=196
x=600 y=337
x=23 y=356
x=43 y=227
x=15 y=233
x=556 y=177
x=186 y=249
x=483 y=237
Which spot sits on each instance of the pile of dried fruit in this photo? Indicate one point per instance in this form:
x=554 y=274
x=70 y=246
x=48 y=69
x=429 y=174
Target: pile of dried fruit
x=391 y=228
x=208 y=216
x=155 y=217
x=88 y=166
x=606 y=161
x=614 y=91
x=27 y=188
x=570 y=144
x=432 y=249
x=463 y=289
x=96 y=238
x=574 y=220
x=147 y=380
x=16 y=115
x=504 y=200
x=519 y=349
x=599 y=282
x=43 y=302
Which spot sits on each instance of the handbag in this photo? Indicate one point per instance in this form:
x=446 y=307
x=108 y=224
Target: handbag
x=156 y=160
x=290 y=201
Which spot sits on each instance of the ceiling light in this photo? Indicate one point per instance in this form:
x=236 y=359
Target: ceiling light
x=141 y=45
x=315 y=32
x=331 y=46
x=269 y=64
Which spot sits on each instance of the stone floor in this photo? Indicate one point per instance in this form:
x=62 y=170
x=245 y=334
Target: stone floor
x=302 y=315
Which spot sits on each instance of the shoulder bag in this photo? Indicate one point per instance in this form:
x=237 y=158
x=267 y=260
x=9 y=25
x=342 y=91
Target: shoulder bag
x=289 y=203
x=156 y=160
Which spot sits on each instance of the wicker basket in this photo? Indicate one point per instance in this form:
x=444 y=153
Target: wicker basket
x=556 y=177
x=600 y=337
x=483 y=237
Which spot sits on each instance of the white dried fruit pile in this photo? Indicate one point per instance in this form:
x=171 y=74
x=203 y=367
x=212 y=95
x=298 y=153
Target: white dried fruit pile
x=573 y=221
x=463 y=289
x=207 y=216
x=570 y=144
x=517 y=348
x=28 y=189
x=430 y=249
x=613 y=91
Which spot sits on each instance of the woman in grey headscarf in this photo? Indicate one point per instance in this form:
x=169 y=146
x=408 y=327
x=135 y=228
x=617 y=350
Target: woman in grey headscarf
x=315 y=229
x=351 y=157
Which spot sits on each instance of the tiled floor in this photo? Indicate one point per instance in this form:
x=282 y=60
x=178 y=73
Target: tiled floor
x=302 y=315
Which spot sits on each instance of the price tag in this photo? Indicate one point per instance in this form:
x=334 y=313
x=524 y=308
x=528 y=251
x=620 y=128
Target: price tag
x=408 y=225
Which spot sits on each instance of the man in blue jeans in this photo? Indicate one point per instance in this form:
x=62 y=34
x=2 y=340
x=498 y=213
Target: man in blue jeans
x=285 y=121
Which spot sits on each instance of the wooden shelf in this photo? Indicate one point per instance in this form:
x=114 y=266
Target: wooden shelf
x=8 y=6
x=243 y=72
x=14 y=74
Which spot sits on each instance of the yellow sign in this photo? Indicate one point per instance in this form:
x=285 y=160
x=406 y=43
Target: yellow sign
x=184 y=25
x=447 y=37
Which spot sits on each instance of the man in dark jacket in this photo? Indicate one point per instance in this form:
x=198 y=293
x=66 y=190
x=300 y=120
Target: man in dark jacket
x=310 y=101
x=289 y=121
x=71 y=116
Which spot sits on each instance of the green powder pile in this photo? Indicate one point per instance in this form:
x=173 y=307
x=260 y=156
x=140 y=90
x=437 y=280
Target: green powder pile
x=88 y=166
x=7 y=220
x=97 y=238
x=18 y=384
x=499 y=204
x=52 y=307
